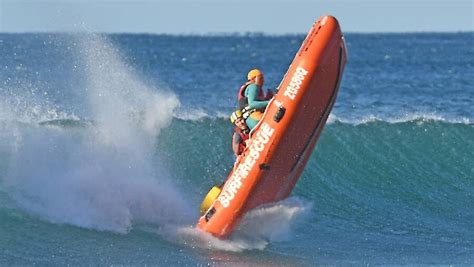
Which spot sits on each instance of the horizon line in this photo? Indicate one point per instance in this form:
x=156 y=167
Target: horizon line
x=216 y=34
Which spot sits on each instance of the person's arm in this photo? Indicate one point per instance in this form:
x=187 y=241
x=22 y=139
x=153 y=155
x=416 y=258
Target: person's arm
x=236 y=140
x=252 y=92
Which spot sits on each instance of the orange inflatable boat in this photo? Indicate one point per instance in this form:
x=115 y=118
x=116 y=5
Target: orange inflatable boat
x=284 y=139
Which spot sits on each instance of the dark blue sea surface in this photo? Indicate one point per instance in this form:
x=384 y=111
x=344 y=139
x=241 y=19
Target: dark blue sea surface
x=109 y=142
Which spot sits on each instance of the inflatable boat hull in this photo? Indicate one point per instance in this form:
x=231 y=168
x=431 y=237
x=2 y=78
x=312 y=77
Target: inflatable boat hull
x=284 y=139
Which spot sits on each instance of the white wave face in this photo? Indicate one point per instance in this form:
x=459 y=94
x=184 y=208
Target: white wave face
x=196 y=114
x=258 y=228
x=393 y=119
x=199 y=114
x=105 y=176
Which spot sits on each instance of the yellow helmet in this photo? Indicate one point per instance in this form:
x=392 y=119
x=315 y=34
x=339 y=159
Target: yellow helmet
x=235 y=115
x=253 y=73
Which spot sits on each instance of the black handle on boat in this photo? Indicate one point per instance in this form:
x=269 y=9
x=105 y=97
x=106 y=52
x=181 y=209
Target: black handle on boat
x=280 y=113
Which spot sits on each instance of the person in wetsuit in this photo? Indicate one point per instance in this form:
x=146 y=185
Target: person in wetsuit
x=252 y=101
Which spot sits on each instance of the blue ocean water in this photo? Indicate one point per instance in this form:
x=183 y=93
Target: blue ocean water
x=109 y=142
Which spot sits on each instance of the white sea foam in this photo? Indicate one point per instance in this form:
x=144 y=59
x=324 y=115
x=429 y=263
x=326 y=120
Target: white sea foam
x=393 y=119
x=191 y=114
x=198 y=114
x=424 y=117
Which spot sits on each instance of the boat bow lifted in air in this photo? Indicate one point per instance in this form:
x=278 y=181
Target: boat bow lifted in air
x=284 y=139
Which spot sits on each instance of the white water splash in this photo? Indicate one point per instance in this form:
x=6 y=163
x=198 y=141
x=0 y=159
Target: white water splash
x=105 y=176
x=259 y=227
x=26 y=106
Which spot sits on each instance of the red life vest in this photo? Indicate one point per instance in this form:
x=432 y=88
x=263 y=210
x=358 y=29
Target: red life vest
x=244 y=136
x=242 y=99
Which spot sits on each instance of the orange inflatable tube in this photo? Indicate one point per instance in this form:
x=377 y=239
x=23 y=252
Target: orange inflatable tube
x=284 y=139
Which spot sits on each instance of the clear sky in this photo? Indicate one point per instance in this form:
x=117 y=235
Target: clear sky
x=230 y=16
